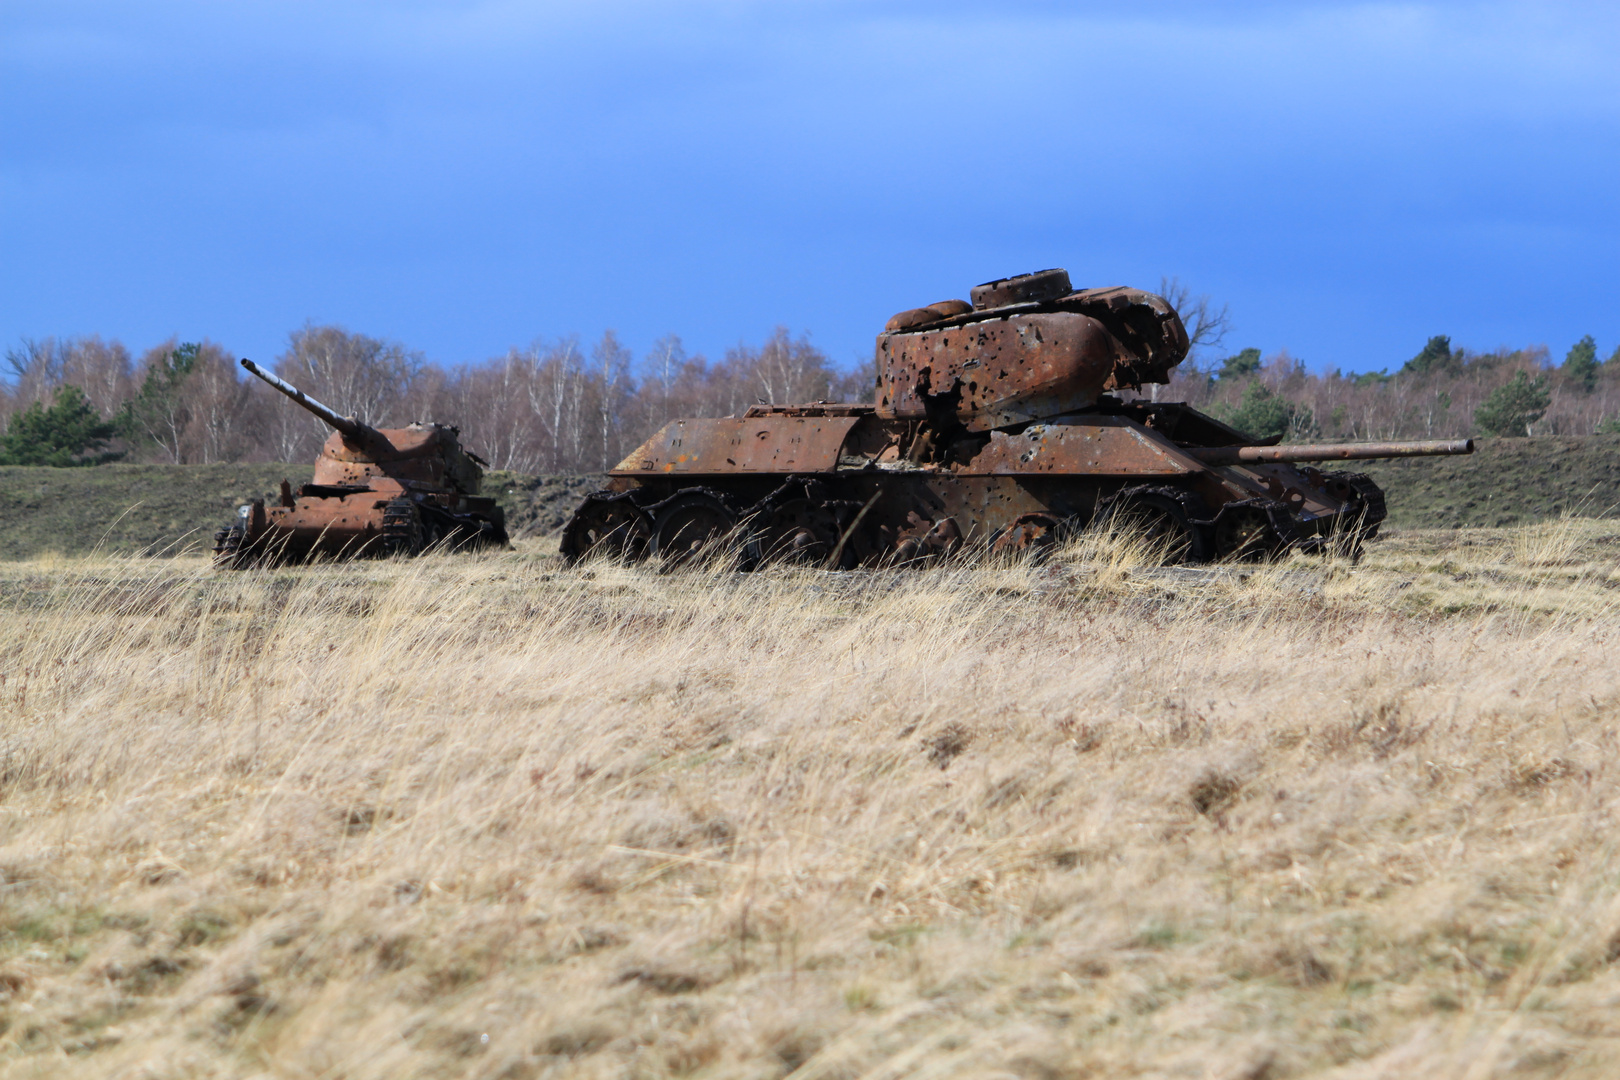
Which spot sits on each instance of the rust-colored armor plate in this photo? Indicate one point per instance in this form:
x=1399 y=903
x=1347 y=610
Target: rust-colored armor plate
x=397 y=491
x=1005 y=371
x=1093 y=446
x=771 y=444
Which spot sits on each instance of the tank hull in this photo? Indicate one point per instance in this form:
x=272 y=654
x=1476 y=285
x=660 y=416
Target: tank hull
x=844 y=485
x=401 y=492
x=379 y=521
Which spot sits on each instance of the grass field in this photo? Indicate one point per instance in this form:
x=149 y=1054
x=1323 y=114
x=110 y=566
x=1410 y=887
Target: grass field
x=488 y=817
x=170 y=508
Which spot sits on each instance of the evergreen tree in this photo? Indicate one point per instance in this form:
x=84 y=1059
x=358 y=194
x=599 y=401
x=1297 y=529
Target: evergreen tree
x=1435 y=357
x=70 y=432
x=1513 y=407
x=1581 y=364
x=1244 y=363
x=1264 y=414
x=159 y=413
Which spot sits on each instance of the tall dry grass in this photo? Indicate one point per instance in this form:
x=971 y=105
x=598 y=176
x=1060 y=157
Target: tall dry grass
x=486 y=817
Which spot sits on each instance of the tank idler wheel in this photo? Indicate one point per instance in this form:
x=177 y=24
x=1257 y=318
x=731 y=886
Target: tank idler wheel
x=402 y=532
x=606 y=525
x=689 y=523
x=1032 y=534
x=1161 y=520
x=228 y=547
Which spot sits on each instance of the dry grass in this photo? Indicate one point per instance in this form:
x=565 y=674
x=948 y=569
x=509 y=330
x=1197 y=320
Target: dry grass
x=484 y=817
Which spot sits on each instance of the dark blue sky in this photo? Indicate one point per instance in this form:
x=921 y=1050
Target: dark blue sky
x=463 y=177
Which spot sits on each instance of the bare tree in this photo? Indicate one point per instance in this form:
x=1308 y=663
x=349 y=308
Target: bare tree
x=220 y=426
x=612 y=374
x=665 y=363
x=1206 y=324
x=788 y=371
x=357 y=375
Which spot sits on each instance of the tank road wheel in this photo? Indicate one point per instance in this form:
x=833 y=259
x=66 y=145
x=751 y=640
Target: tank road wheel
x=608 y=525
x=1032 y=534
x=1162 y=521
x=228 y=547
x=402 y=528
x=801 y=531
x=1244 y=533
x=687 y=523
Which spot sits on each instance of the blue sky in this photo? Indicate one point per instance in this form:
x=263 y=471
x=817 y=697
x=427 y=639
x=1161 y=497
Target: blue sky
x=463 y=177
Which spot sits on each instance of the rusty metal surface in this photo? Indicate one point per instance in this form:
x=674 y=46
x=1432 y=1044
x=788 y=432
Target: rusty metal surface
x=1022 y=289
x=759 y=444
x=375 y=491
x=997 y=372
x=1086 y=446
x=1036 y=351
x=995 y=428
x=1232 y=455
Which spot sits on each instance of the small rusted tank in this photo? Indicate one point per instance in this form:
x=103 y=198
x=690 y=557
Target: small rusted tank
x=1005 y=422
x=376 y=492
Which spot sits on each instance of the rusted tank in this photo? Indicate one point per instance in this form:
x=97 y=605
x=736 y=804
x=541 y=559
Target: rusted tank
x=1006 y=422
x=376 y=492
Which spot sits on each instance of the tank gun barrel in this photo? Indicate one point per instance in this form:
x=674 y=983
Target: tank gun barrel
x=351 y=429
x=1248 y=455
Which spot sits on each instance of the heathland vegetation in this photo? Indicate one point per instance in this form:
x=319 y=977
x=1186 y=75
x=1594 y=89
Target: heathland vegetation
x=486 y=816
x=492 y=816
x=167 y=508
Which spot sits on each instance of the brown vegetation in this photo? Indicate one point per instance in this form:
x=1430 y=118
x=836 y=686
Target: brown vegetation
x=486 y=817
x=562 y=408
x=1439 y=402
x=550 y=408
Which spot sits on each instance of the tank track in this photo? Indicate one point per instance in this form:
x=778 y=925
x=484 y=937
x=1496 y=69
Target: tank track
x=830 y=525
x=1195 y=514
x=1375 y=509
x=402 y=528
x=228 y=546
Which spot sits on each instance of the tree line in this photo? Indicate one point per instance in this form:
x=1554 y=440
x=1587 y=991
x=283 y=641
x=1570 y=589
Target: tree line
x=564 y=407
x=1441 y=392
x=554 y=407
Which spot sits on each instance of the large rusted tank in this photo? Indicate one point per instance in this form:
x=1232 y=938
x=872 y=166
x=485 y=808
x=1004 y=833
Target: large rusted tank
x=376 y=492
x=1006 y=422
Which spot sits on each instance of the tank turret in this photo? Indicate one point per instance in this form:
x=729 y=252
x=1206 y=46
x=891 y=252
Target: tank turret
x=1026 y=348
x=376 y=491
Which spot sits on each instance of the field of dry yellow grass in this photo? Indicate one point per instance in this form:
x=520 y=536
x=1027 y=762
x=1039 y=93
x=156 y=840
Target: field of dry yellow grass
x=490 y=817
